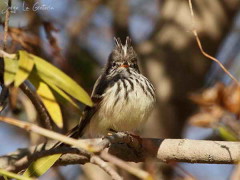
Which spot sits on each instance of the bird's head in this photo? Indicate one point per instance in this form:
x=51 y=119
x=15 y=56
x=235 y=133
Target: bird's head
x=123 y=56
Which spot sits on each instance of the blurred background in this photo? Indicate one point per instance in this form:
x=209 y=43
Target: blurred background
x=77 y=37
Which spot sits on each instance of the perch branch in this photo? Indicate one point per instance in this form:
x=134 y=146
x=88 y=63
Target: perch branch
x=165 y=150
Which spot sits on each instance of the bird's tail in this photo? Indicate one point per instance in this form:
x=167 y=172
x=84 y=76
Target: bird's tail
x=79 y=129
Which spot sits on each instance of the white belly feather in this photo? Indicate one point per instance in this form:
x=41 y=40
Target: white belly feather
x=120 y=113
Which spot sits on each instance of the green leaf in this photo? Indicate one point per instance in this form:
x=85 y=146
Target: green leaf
x=13 y=175
x=25 y=66
x=48 y=99
x=226 y=134
x=41 y=165
x=53 y=75
x=10 y=69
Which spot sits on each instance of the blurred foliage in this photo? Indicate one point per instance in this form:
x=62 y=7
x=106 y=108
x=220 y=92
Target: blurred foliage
x=219 y=108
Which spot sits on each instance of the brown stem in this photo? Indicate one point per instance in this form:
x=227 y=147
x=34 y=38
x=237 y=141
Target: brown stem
x=42 y=111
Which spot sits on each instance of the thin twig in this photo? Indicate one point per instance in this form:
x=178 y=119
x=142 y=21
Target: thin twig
x=120 y=163
x=25 y=161
x=47 y=133
x=202 y=50
x=106 y=167
x=6 y=24
x=41 y=109
x=5 y=54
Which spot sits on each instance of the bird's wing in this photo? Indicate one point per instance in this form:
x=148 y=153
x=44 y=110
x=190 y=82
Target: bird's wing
x=78 y=130
x=97 y=95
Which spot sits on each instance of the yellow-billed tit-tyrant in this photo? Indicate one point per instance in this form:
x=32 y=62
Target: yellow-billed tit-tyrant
x=123 y=98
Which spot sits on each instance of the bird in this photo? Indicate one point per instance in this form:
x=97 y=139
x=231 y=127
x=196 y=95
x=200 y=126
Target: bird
x=123 y=98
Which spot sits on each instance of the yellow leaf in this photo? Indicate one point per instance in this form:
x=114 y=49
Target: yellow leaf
x=58 y=93
x=50 y=103
x=47 y=98
x=13 y=175
x=61 y=93
x=53 y=75
x=25 y=66
x=10 y=69
x=41 y=165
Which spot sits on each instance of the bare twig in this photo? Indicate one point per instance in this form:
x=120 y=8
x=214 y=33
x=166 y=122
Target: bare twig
x=6 y=24
x=47 y=133
x=25 y=161
x=106 y=167
x=202 y=50
x=5 y=54
x=120 y=163
x=41 y=109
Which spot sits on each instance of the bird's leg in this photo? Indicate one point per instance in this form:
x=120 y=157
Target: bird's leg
x=132 y=140
x=134 y=137
x=112 y=131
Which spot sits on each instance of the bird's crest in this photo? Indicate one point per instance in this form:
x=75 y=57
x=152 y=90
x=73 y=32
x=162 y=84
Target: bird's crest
x=125 y=47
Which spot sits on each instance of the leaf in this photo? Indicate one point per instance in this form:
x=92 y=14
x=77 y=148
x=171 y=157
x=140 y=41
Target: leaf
x=10 y=69
x=61 y=93
x=53 y=75
x=13 y=175
x=48 y=99
x=227 y=134
x=41 y=165
x=25 y=66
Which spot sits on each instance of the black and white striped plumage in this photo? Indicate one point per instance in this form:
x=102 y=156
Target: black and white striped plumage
x=123 y=98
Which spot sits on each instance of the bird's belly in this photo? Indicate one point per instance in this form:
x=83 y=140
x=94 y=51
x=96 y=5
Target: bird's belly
x=121 y=112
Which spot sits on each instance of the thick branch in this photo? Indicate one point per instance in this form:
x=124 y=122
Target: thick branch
x=167 y=150
x=199 y=151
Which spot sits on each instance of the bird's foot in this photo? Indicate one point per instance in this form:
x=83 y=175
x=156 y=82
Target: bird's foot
x=132 y=140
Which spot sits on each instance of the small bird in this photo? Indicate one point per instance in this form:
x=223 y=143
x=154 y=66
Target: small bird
x=123 y=98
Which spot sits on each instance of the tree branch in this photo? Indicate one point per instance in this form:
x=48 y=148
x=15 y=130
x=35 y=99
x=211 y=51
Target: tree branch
x=165 y=150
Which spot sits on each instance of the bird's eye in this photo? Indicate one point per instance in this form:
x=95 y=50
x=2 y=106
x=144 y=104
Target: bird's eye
x=133 y=65
x=114 y=63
